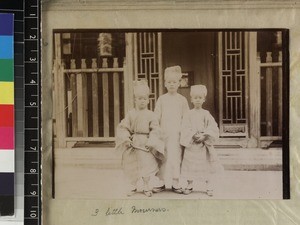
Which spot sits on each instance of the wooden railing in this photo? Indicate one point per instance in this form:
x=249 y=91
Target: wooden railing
x=271 y=96
x=91 y=100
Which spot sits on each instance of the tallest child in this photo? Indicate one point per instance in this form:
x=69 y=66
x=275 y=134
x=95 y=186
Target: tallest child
x=170 y=109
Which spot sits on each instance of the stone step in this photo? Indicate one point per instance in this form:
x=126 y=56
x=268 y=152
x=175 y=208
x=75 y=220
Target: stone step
x=231 y=159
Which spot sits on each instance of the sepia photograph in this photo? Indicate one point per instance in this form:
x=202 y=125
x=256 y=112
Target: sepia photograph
x=169 y=113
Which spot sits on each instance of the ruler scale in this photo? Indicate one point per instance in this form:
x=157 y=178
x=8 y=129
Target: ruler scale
x=17 y=8
x=32 y=173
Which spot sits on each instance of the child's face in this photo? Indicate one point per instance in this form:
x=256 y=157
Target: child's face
x=141 y=101
x=198 y=100
x=172 y=84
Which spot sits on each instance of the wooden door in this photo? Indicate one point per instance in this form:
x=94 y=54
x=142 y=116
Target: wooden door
x=148 y=62
x=233 y=83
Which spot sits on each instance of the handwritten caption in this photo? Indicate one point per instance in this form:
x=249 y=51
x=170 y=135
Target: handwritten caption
x=132 y=210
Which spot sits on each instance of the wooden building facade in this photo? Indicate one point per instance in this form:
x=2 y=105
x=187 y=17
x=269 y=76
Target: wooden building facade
x=93 y=72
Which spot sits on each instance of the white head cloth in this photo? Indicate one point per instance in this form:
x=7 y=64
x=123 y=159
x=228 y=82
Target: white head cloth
x=198 y=90
x=141 y=87
x=173 y=71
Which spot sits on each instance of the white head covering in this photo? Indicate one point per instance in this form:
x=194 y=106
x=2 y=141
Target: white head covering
x=141 y=87
x=173 y=71
x=198 y=90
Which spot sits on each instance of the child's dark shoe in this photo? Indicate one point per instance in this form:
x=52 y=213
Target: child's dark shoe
x=131 y=192
x=159 y=189
x=187 y=191
x=148 y=193
x=177 y=190
x=210 y=192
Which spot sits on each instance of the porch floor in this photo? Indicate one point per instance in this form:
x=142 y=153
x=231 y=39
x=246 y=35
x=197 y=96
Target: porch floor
x=93 y=173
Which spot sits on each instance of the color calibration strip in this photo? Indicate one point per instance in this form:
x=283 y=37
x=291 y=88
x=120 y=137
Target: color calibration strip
x=7 y=131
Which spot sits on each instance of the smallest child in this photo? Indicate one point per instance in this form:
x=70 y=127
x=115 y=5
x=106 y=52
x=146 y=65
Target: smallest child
x=139 y=140
x=199 y=131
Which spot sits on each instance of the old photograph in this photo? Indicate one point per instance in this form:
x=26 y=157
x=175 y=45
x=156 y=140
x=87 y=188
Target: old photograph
x=168 y=114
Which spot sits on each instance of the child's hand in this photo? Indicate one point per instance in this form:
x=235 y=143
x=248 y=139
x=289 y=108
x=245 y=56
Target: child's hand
x=198 y=137
x=128 y=144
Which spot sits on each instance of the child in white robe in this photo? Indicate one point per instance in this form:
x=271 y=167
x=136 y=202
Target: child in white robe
x=170 y=109
x=199 y=131
x=139 y=138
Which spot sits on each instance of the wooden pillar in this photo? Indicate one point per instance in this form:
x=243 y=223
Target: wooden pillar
x=280 y=96
x=254 y=91
x=60 y=94
x=95 y=97
x=220 y=58
x=269 y=96
x=129 y=70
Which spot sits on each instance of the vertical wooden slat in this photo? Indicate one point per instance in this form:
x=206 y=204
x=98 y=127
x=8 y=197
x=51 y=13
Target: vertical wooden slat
x=59 y=82
x=280 y=95
x=154 y=49
x=149 y=42
x=230 y=40
x=246 y=55
x=116 y=86
x=269 y=94
x=105 y=99
x=79 y=104
x=74 y=101
x=84 y=99
x=144 y=42
x=140 y=69
x=235 y=84
x=160 y=69
x=95 y=99
x=254 y=90
x=224 y=47
x=69 y=104
x=235 y=41
x=241 y=61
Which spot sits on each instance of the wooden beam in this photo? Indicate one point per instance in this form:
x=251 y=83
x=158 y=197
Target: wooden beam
x=60 y=93
x=98 y=139
x=220 y=60
x=94 y=70
x=160 y=69
x=254 y=90
x=269 y=96
x=280 y=95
